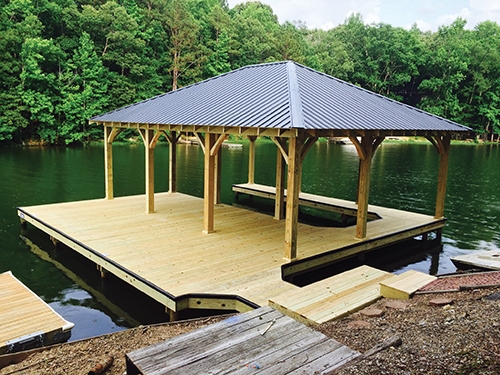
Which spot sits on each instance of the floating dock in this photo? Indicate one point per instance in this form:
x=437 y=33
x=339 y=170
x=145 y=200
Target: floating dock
x=166 y=255
x=489 y=259
x=25 y=320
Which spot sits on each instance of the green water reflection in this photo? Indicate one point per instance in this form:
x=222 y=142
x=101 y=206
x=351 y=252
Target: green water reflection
x=404 y=176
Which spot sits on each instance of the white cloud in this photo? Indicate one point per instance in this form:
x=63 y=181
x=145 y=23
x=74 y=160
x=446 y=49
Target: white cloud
x=373 y=16
x=422 y=25
x=428 y=14
x=447 y=19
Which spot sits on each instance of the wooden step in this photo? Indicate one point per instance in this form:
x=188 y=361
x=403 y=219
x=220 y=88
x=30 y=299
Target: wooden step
x=404 y=285
x=332 y=298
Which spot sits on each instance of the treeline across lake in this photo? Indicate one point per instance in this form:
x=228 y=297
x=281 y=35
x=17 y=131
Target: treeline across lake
x=63 y=61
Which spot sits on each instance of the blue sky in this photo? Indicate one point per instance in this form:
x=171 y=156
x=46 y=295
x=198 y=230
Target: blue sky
x=428 y=14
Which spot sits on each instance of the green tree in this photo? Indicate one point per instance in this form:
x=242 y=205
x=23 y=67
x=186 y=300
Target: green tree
x=40 y=88
x=480 y=91
x=291 y=44
x=327 y=53
x=17 y=23
x=83 y=93
x=255 y=27
x=448 y=58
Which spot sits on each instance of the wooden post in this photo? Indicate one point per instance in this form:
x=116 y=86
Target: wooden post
x=364 y=188
x=150 y=172
x=108 y=162
x=279 y=203
x=444 y=153
x=292 y=200
x=218 y=177
x=172 y=162
x=209 y=183
x=366 y=149
x=251 y=160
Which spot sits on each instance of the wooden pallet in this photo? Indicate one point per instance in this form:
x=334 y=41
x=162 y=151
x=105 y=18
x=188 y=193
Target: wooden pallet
x=25 y=320
x=404 y=285
x=260 y=341
x=332 y=298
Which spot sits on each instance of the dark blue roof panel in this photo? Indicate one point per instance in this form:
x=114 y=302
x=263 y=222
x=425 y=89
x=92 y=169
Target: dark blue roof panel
x=279 y=95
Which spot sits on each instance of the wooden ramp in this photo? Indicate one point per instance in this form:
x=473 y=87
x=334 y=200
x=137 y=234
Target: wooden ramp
x=25 y=320
x=332 y=298
x=404 y=285
x=489 y=259
x=263 y=341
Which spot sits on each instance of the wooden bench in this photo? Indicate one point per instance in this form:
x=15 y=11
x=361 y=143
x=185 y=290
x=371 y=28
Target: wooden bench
x=340 y=206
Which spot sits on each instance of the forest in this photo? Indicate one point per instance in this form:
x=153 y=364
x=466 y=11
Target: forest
x=63 y=61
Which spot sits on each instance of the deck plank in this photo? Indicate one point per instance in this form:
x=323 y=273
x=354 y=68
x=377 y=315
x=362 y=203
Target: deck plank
x=263 y=341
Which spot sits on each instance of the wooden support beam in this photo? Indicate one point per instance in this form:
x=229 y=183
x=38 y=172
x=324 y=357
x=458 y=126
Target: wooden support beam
x=218 y=177
x=303 y=152
x=172 y=138
x=366 y=149
x=279 y=203
x=281 y=144
x=201 y=140
x=209 y=185
x=217 y=145
x=292 y=201
x=364 y=186
x=149 y=138
x=251 y=160
x=444 y=153
x=307 y=146
x=108 y=162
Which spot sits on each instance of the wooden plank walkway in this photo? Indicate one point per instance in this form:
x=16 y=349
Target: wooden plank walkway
x=332 y=298
x=25 y=320
x=263 y=341
x=340 y=206
x=239 y=267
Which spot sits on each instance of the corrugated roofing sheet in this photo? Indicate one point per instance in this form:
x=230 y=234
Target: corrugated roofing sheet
x=280 y=95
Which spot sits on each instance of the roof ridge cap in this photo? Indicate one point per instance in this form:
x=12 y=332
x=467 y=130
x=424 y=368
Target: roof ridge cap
x=297 y=116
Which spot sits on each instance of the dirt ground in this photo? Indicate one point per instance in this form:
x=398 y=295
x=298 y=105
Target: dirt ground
x=462 y=337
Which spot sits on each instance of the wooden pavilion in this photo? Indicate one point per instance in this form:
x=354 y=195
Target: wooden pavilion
x=192 y=253
x=290 y=103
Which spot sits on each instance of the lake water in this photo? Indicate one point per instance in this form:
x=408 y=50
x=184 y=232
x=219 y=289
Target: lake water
x=404 y=176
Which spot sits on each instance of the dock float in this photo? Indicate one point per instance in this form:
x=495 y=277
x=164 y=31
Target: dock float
x=26 y=321
x=261 y=341
x=168 y=257
x=489 y=259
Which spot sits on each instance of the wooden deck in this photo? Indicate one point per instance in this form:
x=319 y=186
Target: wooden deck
x=239 y=267
x=263 y=341
x=25 y=320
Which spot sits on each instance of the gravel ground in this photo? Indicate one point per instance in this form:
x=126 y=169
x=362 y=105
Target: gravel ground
x=459 y=338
